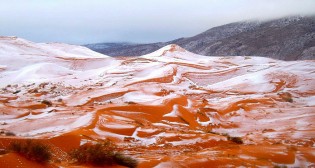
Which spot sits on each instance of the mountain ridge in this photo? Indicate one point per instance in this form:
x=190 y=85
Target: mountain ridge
x=289 y=38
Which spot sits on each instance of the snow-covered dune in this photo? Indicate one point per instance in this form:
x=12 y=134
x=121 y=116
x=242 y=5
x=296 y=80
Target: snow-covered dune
x=25 y=61
x=18 y=46
x=168 y=103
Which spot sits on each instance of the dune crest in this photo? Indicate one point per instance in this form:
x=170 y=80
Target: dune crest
x=167 y=108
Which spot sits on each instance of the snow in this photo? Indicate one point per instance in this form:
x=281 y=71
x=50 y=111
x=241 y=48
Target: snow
x=82 y=121
x=71 y=51
x=173 y=113
x=144 y=141
x=35 y=73
x=3 y=66
x=139 y=97
x=174 y=53
x=118 y=126
x=159 y=52
x=27 y=62
x=101 y=89
x=21 y=47
x=251 y=82
x=153 y=72
x=310 y=101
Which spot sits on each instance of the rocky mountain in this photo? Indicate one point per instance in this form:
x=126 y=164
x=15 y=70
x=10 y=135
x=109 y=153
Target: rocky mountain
x=289 y=38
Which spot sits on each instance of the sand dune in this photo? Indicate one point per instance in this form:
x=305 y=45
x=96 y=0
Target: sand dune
x=170 y=108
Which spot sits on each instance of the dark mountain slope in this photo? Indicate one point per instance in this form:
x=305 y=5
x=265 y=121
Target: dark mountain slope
x=290 y=38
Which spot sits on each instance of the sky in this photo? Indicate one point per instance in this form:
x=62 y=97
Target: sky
x=138 y=21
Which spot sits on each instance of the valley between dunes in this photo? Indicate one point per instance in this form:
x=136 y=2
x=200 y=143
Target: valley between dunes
x=170 y=108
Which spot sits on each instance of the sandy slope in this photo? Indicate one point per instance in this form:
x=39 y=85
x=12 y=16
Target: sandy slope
x=168 y=108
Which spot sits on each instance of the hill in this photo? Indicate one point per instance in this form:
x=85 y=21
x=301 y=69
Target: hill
x=290 y=38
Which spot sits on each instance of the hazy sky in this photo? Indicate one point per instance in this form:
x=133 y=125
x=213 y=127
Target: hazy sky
x=90 y=21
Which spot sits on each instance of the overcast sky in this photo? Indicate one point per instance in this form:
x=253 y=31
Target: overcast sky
x=141 y=21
